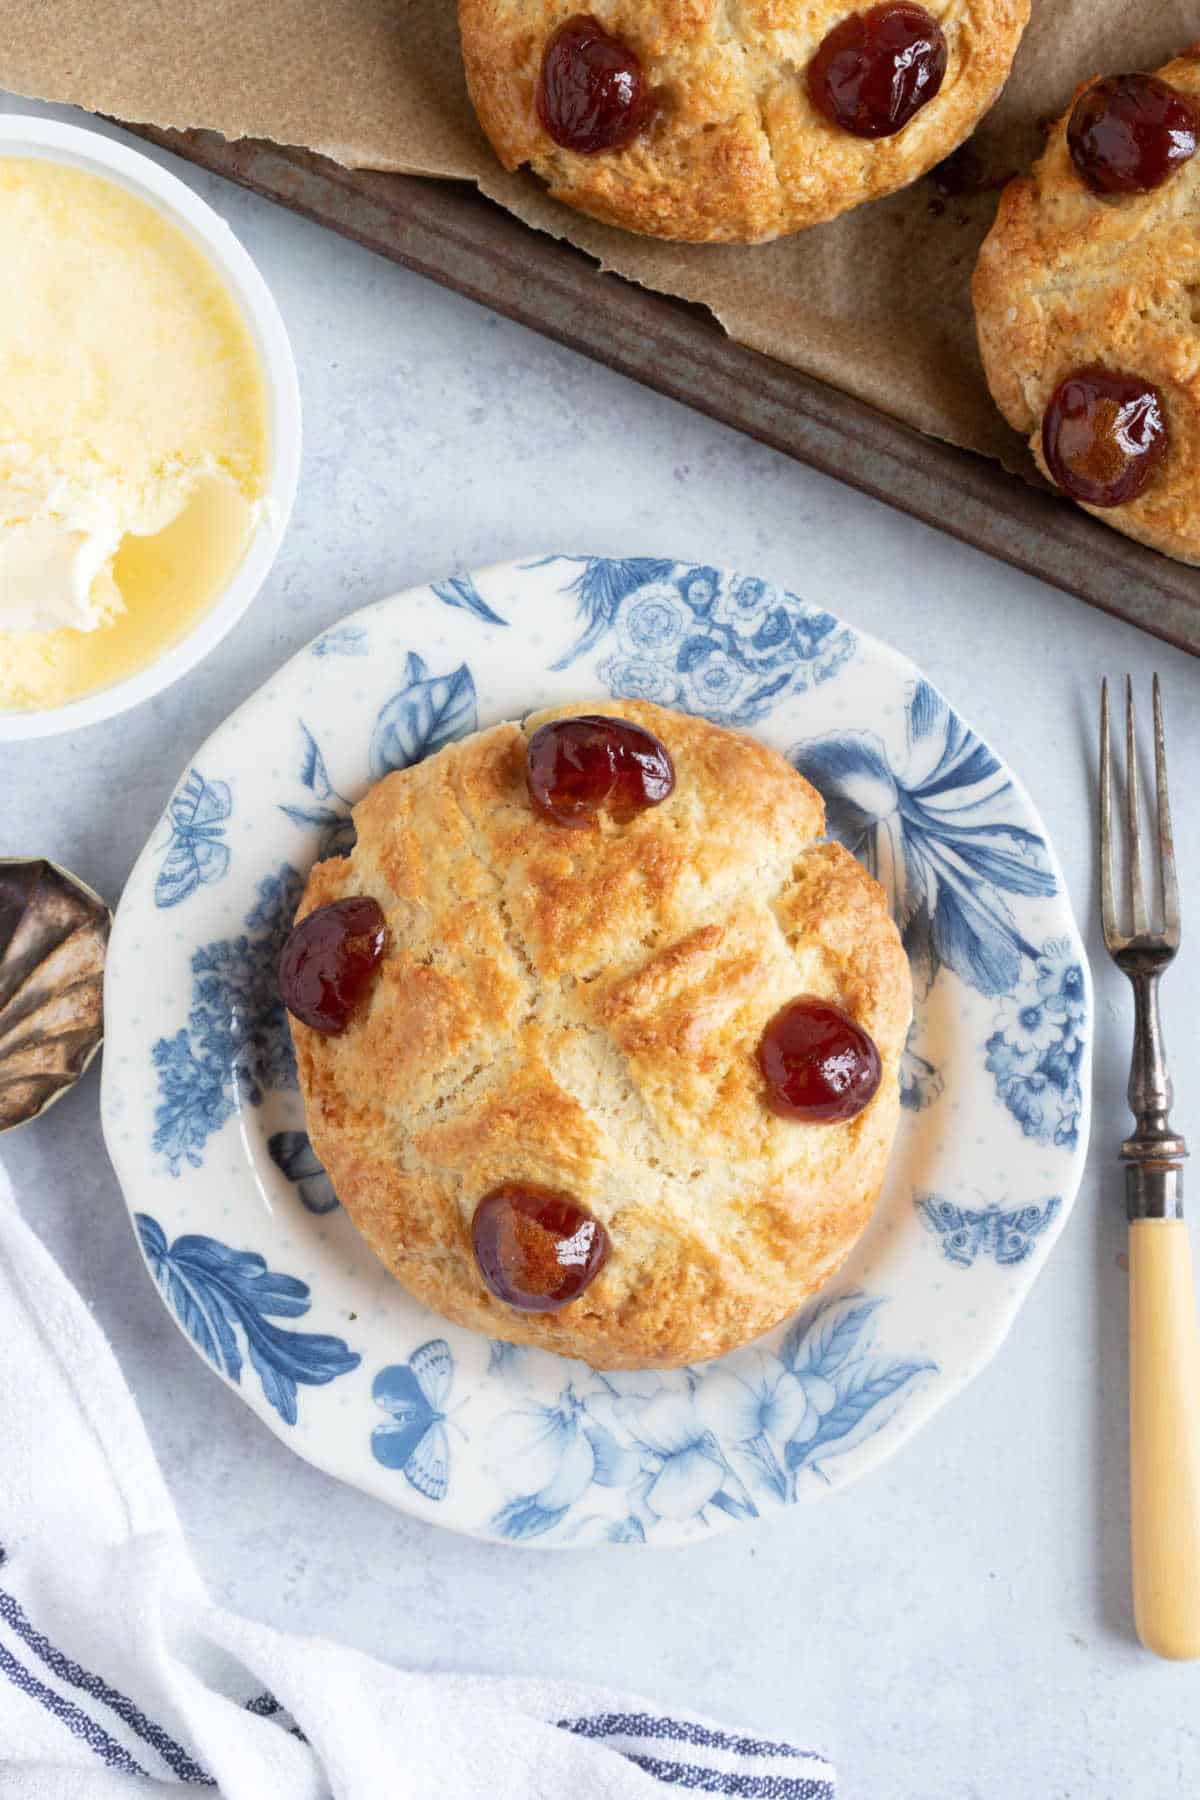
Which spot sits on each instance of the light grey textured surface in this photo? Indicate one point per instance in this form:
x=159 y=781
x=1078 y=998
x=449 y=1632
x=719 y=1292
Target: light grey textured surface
x=956 y=1626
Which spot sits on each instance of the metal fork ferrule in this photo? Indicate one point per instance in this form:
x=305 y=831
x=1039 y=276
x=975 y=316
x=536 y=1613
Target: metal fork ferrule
x=1153 y=1187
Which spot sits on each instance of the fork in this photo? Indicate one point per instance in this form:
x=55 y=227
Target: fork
x=1164 y=1349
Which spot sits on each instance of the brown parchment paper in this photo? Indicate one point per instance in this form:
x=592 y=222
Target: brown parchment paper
x=876 y=302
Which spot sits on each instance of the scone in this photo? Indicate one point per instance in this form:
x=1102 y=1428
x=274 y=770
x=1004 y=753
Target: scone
x=696 y=120
x=582 y=1006
x=1087 y=305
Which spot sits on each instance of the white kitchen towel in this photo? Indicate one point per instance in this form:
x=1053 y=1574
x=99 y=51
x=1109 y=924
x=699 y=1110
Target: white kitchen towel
x=119 y=1678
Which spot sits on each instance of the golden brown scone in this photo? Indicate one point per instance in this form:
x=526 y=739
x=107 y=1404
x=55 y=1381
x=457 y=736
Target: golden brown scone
x=736 y=153
x=1067 y=278
x=580 y=1010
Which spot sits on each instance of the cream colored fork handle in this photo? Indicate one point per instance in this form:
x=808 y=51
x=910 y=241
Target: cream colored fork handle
x=1164 y=1438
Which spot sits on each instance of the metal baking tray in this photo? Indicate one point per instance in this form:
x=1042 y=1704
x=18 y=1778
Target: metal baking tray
x=449 y=232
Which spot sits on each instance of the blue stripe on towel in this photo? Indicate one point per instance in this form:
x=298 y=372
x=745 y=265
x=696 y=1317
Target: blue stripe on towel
x=75 y=1720
x=172 y=1753
x=263 y=1706
x=778 y=1784
x=645 y=1726
x=266 y=1706
x=681 y=1731
x=725 y=1781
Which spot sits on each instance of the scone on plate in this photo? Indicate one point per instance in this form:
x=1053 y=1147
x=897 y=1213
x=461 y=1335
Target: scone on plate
x=691 y=119
x=603 y=1042
x=1087 y=305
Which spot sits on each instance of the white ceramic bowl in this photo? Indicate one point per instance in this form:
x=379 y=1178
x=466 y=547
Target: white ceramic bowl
x=24 y=136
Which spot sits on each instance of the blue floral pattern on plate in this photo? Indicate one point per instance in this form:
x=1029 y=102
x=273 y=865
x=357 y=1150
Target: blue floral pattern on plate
x=700 y=639
x=1035 y=1054
x=236 y=1044
x=211 y=1289
x=938 y=831
x=328 y=811
x=460 y=591
x=684 y=1448
x=423 y=716
x=204 y=1123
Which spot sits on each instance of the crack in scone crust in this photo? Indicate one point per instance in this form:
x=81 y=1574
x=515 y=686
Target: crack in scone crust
x=581 y=1010
x=1067 y=277
x=737 y=153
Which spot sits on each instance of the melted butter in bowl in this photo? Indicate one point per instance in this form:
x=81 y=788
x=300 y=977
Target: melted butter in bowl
x=134 y=433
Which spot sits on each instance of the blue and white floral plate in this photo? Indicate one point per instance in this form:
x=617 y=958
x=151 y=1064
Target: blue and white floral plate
x=243 y=1233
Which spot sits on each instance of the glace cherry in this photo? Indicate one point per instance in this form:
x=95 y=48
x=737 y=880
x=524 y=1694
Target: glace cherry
x=328 y=961
x=872 y=73
x=576 y=767
x=536 y=1249
x=1128 y=134
x=1104 y=435
x=590 y=94
x=817 y=1063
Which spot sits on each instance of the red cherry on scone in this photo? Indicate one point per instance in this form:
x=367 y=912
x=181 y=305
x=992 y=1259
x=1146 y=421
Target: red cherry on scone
x=1128 y=134
x=817 y=1063
x=1104 y=435
x=577 y=767
x=328 y=961
x=875 y=70
x=590 y=94
x=536 y=1249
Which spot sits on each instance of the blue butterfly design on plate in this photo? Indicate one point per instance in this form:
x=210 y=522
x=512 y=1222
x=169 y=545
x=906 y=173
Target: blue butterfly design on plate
x=415 y=1439
x=968 y=1232
x=196 y=855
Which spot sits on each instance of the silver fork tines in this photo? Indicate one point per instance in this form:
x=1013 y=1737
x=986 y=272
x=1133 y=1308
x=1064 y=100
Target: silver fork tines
x=1154 y=1154
x=1166 y=843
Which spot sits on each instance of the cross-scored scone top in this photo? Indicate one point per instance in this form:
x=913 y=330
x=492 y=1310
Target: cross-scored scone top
x=737 y=153
x=1067 y=278
x=580 y=1010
